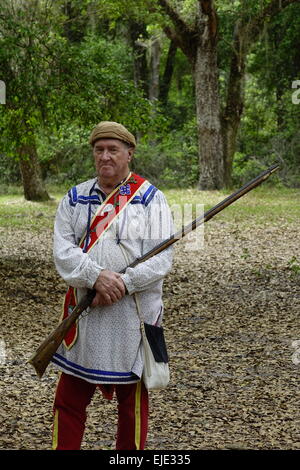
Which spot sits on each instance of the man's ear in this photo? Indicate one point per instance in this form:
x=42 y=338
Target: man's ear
x=130 y=153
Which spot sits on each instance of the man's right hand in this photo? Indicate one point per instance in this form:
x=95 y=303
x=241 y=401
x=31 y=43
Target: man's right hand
x=109 y=288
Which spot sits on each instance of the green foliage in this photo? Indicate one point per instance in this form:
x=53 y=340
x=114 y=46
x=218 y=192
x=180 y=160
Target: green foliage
x=276 y=61
x=56 y=88
x=46 y=75
x=181 y=100
x=9 y=170
x=100 y=85
x=68 y=65
x=247 y=167
x=66 y=156
x=172 y=161
x=270 y=127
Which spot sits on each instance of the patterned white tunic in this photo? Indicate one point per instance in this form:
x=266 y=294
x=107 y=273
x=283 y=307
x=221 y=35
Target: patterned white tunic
x=107 y=349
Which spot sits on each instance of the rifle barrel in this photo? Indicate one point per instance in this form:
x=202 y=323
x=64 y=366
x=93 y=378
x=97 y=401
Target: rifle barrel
x=206 y=216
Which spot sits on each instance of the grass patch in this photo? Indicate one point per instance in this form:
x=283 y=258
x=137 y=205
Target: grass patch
x=16 y=212
x=263 y=205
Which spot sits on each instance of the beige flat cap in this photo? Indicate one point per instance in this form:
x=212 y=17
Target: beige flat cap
x=111 y=130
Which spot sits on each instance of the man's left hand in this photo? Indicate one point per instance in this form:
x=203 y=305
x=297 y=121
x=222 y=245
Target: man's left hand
x=109 y=288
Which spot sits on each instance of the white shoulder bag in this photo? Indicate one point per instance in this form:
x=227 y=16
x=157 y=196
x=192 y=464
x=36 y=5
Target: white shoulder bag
x=156 y=373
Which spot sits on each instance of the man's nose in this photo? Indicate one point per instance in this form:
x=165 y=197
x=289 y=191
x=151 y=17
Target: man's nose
x=105 y=155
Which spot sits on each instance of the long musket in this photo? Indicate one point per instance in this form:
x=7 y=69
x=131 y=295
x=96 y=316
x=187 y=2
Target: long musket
x=46 y=350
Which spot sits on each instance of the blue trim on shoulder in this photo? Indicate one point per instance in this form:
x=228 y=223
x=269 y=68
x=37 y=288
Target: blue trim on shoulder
x=74 y=194
x=75 y=199
x=146 y=198
x=71 y=202
x=150 y=196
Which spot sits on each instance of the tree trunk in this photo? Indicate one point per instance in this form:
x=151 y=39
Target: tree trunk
x=34 y=189
x=74 y=26
x=155 y=53
x=208 y=121
x=200 y=47
x=208 y=104
x=232 y=114
x=168 y=73
x=92 y=20
x=138 y=33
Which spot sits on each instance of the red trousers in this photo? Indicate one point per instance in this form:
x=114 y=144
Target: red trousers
x=72 y=397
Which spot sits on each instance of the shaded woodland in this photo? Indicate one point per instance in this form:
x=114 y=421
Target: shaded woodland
x=210 y=88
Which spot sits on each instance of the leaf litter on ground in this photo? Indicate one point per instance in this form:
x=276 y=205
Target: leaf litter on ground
x=231 y=318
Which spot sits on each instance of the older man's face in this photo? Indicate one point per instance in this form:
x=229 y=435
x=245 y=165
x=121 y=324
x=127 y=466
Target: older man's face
x=112 y=159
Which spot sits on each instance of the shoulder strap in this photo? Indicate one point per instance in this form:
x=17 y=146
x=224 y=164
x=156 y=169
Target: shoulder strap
x=111 y=208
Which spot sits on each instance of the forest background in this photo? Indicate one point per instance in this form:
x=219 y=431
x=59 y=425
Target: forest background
x=211 y=89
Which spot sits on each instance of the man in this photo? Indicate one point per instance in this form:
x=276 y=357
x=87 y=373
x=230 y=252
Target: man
x=101 y=226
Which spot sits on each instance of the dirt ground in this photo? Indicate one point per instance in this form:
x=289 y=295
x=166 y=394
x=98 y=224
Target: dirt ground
x=231 y=324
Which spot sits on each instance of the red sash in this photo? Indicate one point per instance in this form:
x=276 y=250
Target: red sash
x=113 y=205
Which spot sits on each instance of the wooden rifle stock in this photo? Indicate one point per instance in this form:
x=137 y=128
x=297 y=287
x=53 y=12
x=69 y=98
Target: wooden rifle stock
x=46 y=350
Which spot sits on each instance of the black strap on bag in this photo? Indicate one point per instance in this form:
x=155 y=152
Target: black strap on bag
x=156 y=339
